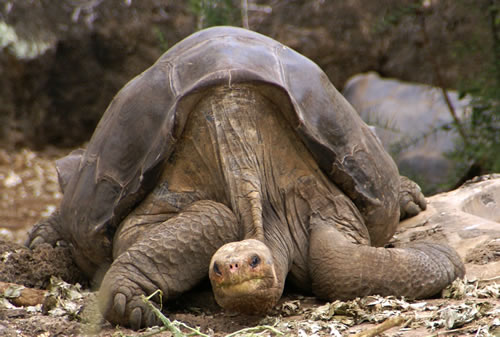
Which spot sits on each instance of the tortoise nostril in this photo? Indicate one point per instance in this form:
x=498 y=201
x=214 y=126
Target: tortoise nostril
x=216 y=269
x=254 y=262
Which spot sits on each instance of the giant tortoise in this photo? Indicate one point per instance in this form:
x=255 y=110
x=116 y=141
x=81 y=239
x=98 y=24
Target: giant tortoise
x=234 y=156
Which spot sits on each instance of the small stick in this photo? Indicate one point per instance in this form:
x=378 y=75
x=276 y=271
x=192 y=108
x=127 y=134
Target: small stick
x=256 y=329
x=408 y=322
x=244 y=14
x=172 y=326
x=169 y=325
x=386 y=325
x=493 y=279
x=441 y=333
x=21 y=296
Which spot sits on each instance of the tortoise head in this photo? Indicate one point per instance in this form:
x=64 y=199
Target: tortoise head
x=243 y=277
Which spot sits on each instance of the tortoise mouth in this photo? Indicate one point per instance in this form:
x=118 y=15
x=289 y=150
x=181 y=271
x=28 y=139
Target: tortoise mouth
x=252 y=296
x=246 y=286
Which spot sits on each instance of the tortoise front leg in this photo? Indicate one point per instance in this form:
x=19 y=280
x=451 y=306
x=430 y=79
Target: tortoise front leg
x=172 y=256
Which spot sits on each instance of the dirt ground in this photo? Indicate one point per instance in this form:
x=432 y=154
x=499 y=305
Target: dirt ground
x=67 y=307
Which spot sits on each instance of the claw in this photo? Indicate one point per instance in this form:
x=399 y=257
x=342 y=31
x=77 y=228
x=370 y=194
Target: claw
x=37 y=241
x=422 y=203
x=412 y=209
x=44 y=231
x=135 y=318
x=411 y=199
x=119 y=304
x=151 y=319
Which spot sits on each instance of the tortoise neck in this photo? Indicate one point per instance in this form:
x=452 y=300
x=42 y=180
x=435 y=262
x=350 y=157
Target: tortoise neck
x=279 y=243
x=233 y=114
x=282 y=263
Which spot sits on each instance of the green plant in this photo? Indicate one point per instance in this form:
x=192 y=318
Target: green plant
x=160 y=36
x=479 y=152
x=214 y=12
x=478 y=144
x=176 y=328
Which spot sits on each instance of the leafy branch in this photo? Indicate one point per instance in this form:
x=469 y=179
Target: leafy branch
x=175 y=326
x=421 y=16
x=476 y=148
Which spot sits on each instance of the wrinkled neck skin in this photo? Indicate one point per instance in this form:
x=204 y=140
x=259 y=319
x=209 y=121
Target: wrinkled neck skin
x=254 y=148
x=279 y=244
x=277 y=238
x=281 y=266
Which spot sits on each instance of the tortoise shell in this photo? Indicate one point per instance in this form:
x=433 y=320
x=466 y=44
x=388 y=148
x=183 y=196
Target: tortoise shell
x=139 y=130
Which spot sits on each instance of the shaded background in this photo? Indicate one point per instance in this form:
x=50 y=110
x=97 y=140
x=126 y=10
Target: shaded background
x=61 y=62
x=80 y=53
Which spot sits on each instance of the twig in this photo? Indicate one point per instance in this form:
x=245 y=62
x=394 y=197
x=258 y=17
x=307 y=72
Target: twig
x=169 y=325
x=496 y=36
x=441 y=333
x=256 y=329
x=386 y=325
x=172 y=326
x=493 y=279
x=439 y=78
x=408 y=322
x=244 y=14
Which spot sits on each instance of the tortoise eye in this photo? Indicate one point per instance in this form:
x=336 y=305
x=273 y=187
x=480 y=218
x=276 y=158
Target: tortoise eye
x=254 y=262
x=216 y=269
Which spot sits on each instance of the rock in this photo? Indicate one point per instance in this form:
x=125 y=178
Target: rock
x=468 y=219
x=414 y=124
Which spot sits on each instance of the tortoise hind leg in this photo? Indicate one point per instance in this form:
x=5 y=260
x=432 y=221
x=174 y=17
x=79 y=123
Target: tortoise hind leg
x=411 y=199
x=343 y=267
x=173 y=256
x=45 y=231
x=343 y=270
x=343 y=264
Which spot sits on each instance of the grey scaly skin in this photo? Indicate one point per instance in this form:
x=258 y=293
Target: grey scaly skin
x=250 y=167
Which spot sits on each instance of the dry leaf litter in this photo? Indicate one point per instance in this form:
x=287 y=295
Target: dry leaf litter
x=30 y=190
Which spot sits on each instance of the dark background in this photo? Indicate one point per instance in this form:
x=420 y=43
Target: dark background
x=95 y=47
